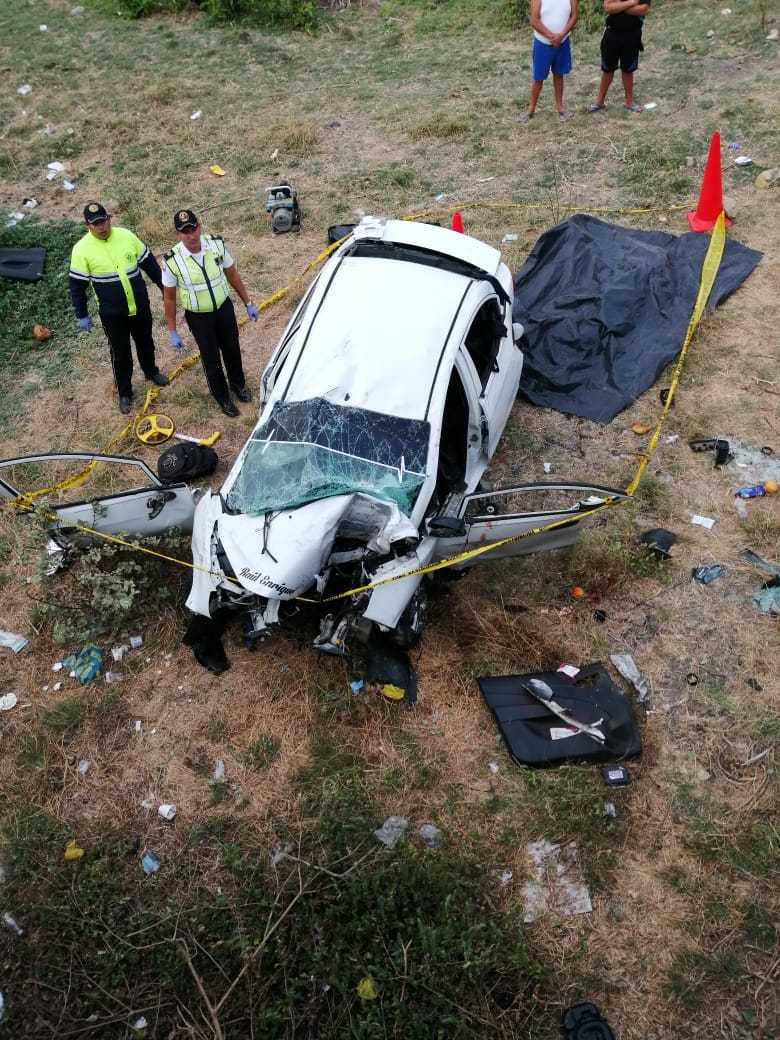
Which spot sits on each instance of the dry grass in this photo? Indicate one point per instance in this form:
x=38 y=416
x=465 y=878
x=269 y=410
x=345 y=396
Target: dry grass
x=362 y=141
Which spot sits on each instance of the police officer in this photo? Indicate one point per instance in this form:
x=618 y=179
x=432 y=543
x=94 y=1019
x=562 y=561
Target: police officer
x=197 y=272
x=111 y=260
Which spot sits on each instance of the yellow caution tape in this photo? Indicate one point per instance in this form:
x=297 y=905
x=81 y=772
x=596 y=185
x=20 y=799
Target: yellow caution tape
x=709 y=272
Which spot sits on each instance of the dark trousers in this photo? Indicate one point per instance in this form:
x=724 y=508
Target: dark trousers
x=119 y=328
x=216 y=333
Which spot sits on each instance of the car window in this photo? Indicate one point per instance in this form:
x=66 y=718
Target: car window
x=484 y=339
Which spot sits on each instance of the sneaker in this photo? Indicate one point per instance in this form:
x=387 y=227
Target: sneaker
x=158 y=378
x=242 y=393
x=595 y=108
x=635 y=108
x=526 y=117
x=229 y=408
x=125 y=404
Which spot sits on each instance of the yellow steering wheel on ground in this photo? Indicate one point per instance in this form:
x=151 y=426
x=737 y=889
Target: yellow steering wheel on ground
x=154 y=428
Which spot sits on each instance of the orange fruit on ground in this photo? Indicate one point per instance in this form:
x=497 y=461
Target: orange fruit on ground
x=577 y=592
x=770 y=486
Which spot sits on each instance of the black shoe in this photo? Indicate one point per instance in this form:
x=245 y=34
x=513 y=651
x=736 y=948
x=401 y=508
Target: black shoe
x=158 y=378
x=243 y=394
x=229 y=408
x=125 y=404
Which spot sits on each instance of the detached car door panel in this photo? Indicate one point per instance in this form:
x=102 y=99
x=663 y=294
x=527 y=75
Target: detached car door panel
x=490 y=516
x=151 y=510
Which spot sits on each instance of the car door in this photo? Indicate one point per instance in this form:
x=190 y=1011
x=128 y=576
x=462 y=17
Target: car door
x=141 y=512
x=498 y=361
x=489 y=517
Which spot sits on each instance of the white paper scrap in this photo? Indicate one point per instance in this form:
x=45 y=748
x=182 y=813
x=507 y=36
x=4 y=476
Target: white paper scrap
x=703 y=521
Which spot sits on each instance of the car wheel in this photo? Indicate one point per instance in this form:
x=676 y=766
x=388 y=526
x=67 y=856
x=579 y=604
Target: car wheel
x=411 y=623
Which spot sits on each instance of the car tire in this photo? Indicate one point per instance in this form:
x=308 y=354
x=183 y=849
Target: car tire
x=411 y=623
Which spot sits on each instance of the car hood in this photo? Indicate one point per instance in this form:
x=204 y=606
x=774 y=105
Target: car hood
x=281 y=555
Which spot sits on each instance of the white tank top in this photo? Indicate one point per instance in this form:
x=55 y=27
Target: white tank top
x=554 y=15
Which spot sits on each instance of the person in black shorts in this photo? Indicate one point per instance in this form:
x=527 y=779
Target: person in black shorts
x=620 y=46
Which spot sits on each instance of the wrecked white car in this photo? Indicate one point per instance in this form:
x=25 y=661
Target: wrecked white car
x=384 y=402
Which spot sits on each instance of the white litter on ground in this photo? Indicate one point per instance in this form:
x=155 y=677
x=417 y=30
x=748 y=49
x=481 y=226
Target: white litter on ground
x=556 y=886
x=703 y=521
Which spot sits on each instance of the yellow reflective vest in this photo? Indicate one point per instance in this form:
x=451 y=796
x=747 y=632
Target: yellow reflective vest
x=199 y=288
x=113 y=267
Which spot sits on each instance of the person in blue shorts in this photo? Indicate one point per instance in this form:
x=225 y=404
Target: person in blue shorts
x=551 y=21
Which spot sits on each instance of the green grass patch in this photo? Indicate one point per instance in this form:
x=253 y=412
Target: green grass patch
x=66 y=717
x=262 y=752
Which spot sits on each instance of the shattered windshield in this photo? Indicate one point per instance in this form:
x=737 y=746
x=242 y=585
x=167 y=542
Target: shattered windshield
x=308 y=450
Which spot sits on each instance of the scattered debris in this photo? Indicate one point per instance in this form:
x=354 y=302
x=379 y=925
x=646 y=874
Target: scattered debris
x=41 y=333
x=659 y=541
x=137 y=726
x=219 y=771
x=743 y=160
x=77 y=10
x=86 y=664
x=24 y=90
x=763 y=565
x=557 y=885
x=167 y=811
x=216 y=170
x=773 y=34
x=366 y=989
x=768 y=599
x=10 y=922
x=43 y=28
x=389 y=666
x=8 y=701
x=769 y=487
x=547 y=467
x=578 y=592
x=702 y=521
x=505 y=877
x=72 y=851
x=692 y=679
x=672 y=438
x=431 y=835
x=150 y=863
x=391 y=831
x=626 y=665
x=196 y=115
x=12 y=641
x=640 y=428
x=136 y=642
x=597 y=716
x=274 y=154
x=600 y=616
x=356 y=686
x=585 y=1022
x=706 y=575
x=54 y=168
x=68 y=185
x=139 y=1025
x=510 y=236
x=650 y=105
x=57 y=687
x=391 y=692
x=440 y=197
x=493 y=767
x=83 y=766
x=615 y=776
x=721 y=448
x=118 y=652
x=610 y=810
x=569 y=669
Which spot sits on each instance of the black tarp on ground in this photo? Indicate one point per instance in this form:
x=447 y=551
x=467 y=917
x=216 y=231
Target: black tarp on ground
x=606 y=309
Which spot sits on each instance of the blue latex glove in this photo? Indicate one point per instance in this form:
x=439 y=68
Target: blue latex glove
x=175 y=340
x=251 y=311
x=85 y=324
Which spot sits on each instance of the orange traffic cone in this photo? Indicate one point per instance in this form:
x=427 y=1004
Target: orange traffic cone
x=711 y=196
x=457 y=223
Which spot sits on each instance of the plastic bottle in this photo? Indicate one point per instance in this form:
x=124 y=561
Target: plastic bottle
x=757 y=490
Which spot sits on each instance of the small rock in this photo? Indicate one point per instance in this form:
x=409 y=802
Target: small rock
x=773 y=35
x=710 y=33
x=768 y=177
x=730 y=206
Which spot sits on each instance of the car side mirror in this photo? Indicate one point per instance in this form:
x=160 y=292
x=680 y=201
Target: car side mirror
x=447 y=527
x=517 y=332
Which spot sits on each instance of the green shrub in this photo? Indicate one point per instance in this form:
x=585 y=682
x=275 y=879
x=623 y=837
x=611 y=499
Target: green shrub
x=288 y=14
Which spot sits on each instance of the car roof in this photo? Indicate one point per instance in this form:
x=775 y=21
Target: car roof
x=440 y=240
x=378 y=336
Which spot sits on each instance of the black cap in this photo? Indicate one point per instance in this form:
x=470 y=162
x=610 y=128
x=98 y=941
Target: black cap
x=94 y=212
x=184 y=220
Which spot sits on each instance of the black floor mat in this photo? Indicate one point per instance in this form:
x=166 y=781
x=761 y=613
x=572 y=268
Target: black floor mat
x=22 y=265
x=537 y=737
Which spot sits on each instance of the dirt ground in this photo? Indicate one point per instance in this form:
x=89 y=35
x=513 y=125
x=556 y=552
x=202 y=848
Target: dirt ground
x=359 y=116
